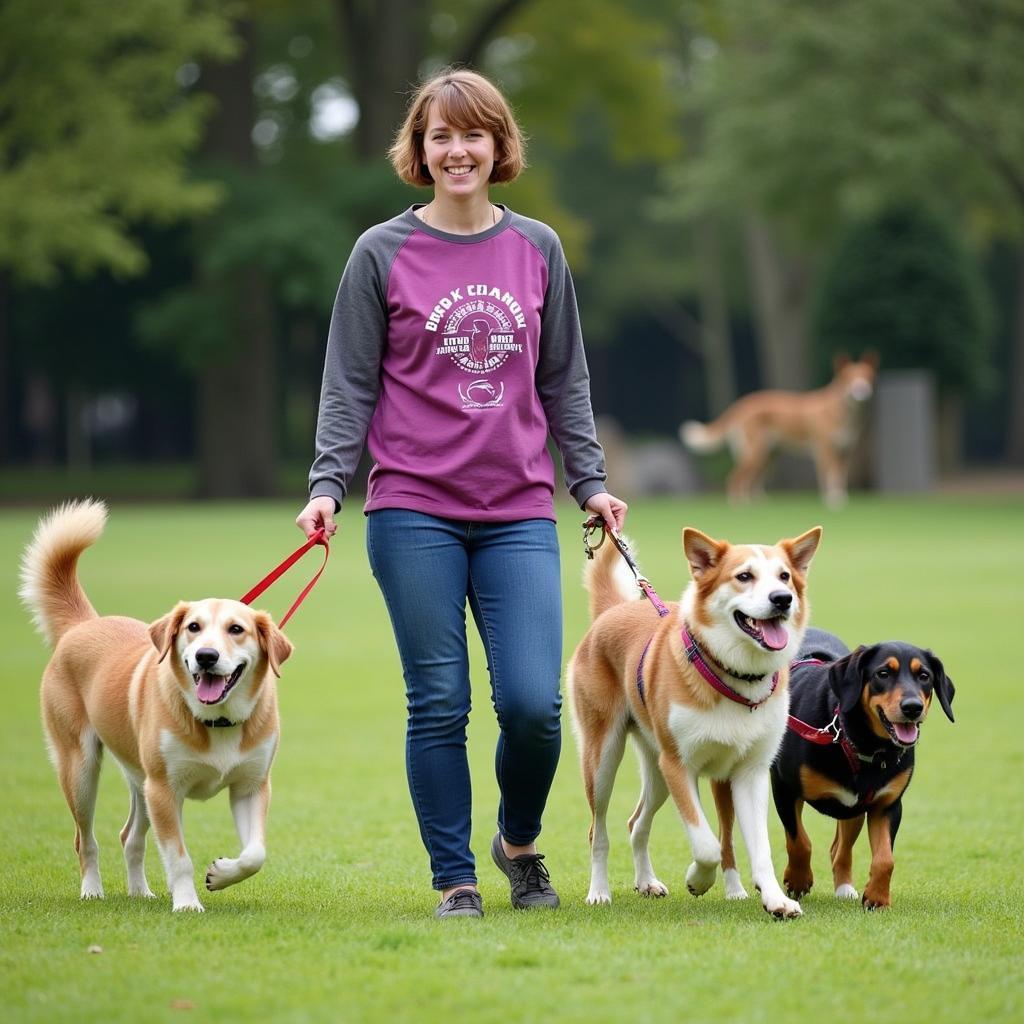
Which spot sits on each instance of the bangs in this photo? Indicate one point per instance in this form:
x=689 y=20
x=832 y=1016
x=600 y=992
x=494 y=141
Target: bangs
x=459 y=108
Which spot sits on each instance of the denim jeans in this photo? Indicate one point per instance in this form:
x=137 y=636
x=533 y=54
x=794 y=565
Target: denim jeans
x=427 y=569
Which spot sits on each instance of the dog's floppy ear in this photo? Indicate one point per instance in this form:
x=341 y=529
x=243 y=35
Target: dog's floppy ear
x=275 y=644
x=846 y=676
x=165 y=629
x=702 y=552
x=800 y=550
x=944 y=688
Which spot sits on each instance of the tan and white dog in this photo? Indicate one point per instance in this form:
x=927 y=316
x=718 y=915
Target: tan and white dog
x=825 y=422
x=186 y=705
x=739 y=622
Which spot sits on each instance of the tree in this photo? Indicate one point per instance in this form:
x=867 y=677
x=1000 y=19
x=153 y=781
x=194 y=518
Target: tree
x=904 y=286
x=94 y=131
x=94 y=140
x=817 y=114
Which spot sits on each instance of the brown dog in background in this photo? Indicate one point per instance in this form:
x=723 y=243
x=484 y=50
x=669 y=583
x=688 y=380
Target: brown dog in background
x=186 y=705
x=824 y=421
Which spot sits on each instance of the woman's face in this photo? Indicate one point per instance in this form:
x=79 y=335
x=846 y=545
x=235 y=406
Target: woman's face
x=460 y=160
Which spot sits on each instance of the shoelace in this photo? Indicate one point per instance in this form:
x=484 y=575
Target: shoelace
x=463 y=899
x=533 y=874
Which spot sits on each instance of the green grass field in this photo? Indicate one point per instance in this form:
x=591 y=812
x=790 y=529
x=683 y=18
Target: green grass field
x=338 y=926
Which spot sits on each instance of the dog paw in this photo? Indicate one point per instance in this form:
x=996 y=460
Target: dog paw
x=599 y=898
x=875 y=903
x=782 y=908
x=846 y=892
x=651 y=887
x=92 y=888
x=192 y=905
x=797 y=883
x=220 y=874
x=142 y=891
x=733 y=885
x=700 y=878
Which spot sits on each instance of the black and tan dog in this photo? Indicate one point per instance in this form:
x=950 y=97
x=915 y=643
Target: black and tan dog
x=849 y=752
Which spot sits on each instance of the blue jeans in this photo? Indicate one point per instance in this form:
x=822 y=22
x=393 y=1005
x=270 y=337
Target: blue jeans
x=427 y=569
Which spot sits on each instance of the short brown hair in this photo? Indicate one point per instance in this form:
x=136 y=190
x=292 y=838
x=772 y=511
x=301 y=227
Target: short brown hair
x=465 y=100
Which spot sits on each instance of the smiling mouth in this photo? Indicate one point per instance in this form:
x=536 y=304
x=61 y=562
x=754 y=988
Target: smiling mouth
x=903 y=734
x=458 y=172
x=212 y=689
x=769 y=633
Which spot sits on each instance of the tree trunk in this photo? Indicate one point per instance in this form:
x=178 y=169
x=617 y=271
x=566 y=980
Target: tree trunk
x=1015 y=426
x=716 y=343
x=237 y=399
x=78 y=442
x=384 y=40
x=780 y=287
x=950 y=434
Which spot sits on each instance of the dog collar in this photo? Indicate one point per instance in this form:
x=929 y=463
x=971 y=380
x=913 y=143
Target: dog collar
x=218 y=723
x=696 y=658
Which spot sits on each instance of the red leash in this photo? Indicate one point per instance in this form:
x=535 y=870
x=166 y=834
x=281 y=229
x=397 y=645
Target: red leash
x=320 y=537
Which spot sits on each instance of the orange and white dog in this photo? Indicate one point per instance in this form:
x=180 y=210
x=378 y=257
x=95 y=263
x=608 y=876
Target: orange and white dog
x=702 y=691
x=825 y=422
x=186 y=705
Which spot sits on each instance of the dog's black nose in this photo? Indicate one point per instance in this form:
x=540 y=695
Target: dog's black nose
x=912 y=708
x=782 y=599
x=206 y=657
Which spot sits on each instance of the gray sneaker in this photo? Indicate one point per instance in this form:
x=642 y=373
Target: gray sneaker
x=461 y=903
x=531 y=884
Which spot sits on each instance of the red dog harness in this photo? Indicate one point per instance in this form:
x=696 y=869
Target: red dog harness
x=831 y=733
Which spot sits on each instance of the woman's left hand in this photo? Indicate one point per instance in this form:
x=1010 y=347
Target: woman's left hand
x=611 y=509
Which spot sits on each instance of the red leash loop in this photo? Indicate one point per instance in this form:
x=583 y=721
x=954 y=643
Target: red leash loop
x=320 y=537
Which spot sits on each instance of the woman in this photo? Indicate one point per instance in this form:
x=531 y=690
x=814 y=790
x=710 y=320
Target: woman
x=455 y=343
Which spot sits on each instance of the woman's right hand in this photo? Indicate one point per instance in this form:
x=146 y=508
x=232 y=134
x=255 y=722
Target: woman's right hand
x=319 y=513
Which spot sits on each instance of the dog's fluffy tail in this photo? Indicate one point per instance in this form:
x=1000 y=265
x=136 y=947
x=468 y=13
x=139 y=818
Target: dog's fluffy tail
x=49 y=567
x=608 y=579
x=701 y=437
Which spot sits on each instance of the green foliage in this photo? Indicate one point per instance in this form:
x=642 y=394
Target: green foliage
x=903 y=285
x=559 y=59
x=337 y=925
x=815 y=113
x=95 y=129
x=297 y=236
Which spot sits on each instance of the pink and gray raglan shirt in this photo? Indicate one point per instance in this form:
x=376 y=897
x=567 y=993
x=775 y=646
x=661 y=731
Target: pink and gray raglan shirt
x=453 y=357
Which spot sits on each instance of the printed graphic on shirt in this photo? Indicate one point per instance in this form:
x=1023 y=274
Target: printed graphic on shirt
x=481 y=394
x=478 y=325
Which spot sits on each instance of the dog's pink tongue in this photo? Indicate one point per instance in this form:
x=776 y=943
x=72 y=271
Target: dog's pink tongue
x=906 y=732
x=774 y=633
x=211 y=688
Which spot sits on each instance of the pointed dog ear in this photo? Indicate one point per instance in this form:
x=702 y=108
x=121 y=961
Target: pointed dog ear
x=800 y=550
x=164 y=631
x=846 y=678
x=702 y=552
x=944 y=688
x=276 y=646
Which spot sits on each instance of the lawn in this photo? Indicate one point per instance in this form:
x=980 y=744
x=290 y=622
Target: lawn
x=338 y=926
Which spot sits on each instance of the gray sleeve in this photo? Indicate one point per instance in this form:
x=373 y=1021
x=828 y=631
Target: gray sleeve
x=351 y=380
x=563 y=383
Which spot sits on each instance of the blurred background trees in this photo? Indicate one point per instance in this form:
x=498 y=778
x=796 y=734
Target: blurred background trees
x=182 y=181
